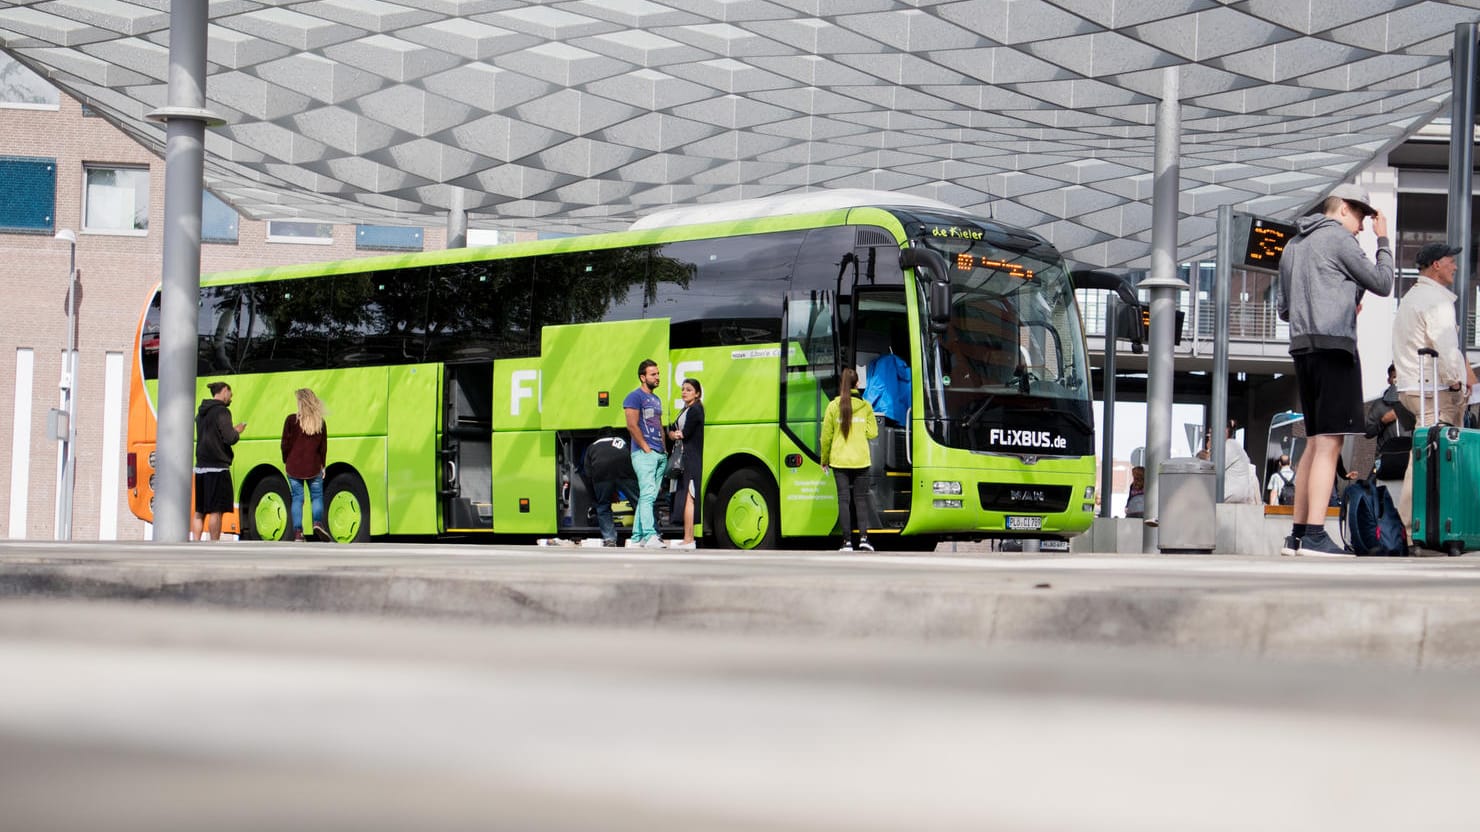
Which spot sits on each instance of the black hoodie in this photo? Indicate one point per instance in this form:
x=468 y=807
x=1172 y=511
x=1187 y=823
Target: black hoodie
x=214 y=435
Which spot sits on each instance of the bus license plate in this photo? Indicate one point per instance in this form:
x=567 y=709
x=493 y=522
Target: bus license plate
x=1024 y=524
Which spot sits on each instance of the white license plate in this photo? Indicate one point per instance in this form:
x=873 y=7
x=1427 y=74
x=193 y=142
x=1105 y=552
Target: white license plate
x=1024 y=524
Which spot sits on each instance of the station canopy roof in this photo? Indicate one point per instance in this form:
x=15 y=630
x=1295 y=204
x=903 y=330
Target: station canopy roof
x=584 y=115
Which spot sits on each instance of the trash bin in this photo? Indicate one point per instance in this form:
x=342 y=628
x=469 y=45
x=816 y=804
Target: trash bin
x=1186 y=494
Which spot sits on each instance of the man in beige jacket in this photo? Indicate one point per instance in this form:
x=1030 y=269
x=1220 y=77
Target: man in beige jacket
x=1426 y=320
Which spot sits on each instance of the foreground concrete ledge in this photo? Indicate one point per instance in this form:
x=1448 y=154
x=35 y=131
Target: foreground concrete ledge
x=1411 y=613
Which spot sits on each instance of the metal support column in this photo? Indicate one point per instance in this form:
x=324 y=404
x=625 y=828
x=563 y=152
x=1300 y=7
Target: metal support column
x=186 y=119
x=1163 y=285
x=1222 y=280
x=457 y=217
x=1107 y=421
x=1461 y=168
x=66 y=481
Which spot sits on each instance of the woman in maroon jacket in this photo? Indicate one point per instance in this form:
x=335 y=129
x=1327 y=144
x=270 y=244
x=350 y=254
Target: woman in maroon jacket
x=305 y=449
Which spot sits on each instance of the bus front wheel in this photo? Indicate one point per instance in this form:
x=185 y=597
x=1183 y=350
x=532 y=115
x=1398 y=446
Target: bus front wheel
x=266 y=514
x=748 y=518
x=348 y=506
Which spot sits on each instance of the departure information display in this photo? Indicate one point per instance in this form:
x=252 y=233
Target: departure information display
x=1265 y=242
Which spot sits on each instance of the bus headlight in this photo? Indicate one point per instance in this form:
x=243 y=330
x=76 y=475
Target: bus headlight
x=1089 y=492
x=1088 y=508
x=943 y=487
x=946 y=503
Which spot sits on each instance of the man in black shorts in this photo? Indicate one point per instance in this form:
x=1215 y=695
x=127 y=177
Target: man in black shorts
x=1323 y=275
x=214 y=436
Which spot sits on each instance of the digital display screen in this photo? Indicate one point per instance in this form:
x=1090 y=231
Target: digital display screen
x=966 y=262
x=1266 y=243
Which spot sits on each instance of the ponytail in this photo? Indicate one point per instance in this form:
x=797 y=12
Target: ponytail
x=846 y=384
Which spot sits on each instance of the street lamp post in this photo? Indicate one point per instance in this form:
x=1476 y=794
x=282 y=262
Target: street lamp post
x=66 y=433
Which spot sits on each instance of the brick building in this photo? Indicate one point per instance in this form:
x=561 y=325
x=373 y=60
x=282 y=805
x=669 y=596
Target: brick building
x=62 y=168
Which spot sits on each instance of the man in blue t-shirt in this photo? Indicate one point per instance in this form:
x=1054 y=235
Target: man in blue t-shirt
x=645 y=424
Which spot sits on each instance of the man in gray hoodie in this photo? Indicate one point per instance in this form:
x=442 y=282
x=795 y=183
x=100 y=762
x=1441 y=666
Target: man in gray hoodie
x=1323 y=275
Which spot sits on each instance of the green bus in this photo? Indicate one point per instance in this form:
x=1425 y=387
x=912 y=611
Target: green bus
x=463 y=385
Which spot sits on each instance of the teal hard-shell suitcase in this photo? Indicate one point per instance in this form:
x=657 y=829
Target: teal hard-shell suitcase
x=1446 y=500
x=1446 y=472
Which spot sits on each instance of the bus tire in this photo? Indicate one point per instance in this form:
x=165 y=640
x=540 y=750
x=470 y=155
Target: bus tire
x=747 y=517
x=347 y=506
x=268 y=512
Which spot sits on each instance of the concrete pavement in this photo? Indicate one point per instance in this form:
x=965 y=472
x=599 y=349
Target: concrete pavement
x=1422 y=614
x=165 y=718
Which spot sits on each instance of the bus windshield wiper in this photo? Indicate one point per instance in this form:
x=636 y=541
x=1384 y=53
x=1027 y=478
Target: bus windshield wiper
x=976 y=411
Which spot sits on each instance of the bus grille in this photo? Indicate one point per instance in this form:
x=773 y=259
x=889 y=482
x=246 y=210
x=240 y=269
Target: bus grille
x=1036 y=499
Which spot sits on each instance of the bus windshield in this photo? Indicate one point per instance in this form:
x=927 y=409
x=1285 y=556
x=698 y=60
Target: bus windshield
x=1009 y=374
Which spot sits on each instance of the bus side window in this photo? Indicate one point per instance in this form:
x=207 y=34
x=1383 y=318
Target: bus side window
x=149 y=340
x=378 y=318
x=288 y=326
x=219 y=338
x=724 y=291
x=480 y=311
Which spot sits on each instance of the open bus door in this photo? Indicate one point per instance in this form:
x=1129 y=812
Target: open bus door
x=874 y=323
x=466 y=450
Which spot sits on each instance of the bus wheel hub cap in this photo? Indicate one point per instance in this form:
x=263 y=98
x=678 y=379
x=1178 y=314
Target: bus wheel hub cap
x=745 y=517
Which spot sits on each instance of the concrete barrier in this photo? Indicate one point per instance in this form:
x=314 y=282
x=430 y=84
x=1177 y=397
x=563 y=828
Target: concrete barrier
x=1241 y=529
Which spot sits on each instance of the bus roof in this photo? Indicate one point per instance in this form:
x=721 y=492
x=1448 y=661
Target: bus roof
x=827 y=199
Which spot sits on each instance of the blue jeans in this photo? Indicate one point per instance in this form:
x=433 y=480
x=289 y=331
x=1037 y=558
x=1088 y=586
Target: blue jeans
x=316 y=499
x=604 y=492
x=649 y=468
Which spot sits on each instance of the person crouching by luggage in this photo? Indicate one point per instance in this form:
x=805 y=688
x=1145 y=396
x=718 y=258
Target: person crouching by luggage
x=607 y=466
x=1323 y=274
x=1425 y=319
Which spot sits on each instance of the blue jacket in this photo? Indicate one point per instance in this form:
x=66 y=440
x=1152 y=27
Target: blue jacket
x=888 y=388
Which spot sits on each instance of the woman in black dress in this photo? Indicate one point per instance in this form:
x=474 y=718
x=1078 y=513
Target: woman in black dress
x=688 y=428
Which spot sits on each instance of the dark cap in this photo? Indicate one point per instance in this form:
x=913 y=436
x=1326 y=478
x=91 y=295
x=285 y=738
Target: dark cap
x=1433 y=253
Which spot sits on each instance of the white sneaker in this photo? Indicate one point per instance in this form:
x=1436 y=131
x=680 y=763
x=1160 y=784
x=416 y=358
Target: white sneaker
x=865 y=546
x=654 y=542
x=690 y=545
x=632 y=543
x=846 y=547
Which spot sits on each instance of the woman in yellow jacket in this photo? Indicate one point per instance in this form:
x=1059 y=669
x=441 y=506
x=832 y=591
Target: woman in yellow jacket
x=847 y=426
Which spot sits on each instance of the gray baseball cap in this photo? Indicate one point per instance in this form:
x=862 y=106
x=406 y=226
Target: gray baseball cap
x=1355 y=195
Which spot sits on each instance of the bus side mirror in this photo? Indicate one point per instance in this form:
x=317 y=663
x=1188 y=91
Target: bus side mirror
x=1097 y=279
x=940 y=307
x=939 y=296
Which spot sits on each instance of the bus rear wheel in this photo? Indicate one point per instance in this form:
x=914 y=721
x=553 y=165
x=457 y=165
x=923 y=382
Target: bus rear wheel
x=348 y=506
x=748 y=518
x=266 y=514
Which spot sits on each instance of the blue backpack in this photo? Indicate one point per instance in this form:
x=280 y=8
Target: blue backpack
x=1370 y=524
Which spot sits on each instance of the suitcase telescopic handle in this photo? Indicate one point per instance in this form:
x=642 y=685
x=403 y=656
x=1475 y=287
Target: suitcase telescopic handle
x=1427 y=353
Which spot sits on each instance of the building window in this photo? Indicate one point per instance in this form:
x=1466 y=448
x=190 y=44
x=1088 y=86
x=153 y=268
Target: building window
x=116 y=200
x=28 y=194
x=388 y=238
x=218 y=221
x=294 y=231
x=24 y=89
